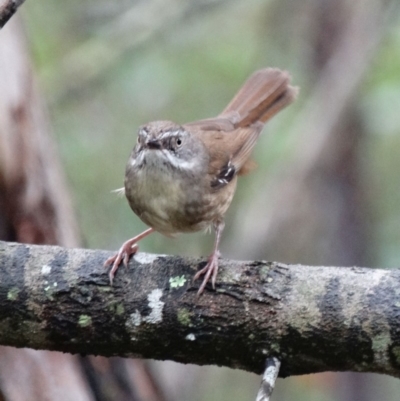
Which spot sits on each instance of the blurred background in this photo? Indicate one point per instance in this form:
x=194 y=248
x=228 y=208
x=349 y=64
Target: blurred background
x=77 y=78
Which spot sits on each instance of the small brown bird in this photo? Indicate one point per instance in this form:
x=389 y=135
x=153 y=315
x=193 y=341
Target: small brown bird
x=181 y=178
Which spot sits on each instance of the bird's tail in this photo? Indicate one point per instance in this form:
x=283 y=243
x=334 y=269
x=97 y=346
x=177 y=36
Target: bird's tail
x=263 y=95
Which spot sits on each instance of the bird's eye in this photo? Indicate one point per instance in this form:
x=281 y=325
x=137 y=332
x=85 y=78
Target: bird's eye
x=178 y=142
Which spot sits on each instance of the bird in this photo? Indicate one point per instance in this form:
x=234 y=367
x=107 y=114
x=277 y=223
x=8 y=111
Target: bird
x=181 y=178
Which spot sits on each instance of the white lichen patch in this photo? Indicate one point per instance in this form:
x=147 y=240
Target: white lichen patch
x=380 y=343
x=176 y=282
x=119 y=310
x=233 y=275
x=84 y=320
x=49 y=289
x=305 y=296
x=134 y=320
x=156 y=306
x=46 y=269
x=39 y=268
x=190 y=337
x=146 y=258
x=12 y=294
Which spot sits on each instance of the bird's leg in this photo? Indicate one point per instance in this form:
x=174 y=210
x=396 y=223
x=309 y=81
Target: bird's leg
x=211 y=268
x=127 y=249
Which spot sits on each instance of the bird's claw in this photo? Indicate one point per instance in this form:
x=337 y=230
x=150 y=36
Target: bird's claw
x=210 y=270
x=123 y=255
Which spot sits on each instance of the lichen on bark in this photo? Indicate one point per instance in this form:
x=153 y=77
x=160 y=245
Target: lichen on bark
x=311 y=318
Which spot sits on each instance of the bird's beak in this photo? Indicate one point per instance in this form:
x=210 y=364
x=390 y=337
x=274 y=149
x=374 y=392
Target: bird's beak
x=153 y=144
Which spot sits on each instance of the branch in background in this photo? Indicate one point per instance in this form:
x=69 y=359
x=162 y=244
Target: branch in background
x=313 y=319
x=268 y=380
x=8 y=9
x=34 y=198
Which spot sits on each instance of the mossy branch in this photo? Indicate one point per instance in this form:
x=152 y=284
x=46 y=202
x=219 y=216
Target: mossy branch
x=312 y=319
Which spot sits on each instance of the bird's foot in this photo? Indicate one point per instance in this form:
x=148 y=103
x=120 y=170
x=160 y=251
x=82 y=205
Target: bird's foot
x=210 y=270
x=127 y=249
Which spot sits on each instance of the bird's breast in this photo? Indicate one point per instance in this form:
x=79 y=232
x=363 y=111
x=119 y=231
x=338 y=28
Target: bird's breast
x=173 y=201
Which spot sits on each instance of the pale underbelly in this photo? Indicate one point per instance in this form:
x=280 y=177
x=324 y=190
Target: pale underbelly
x=170 y=206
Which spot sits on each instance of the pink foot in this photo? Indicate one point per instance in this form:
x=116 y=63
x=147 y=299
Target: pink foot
x=210 y=270
x=127 y=249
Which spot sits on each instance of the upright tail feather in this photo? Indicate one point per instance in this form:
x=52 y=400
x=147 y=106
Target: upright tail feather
x=263 y=95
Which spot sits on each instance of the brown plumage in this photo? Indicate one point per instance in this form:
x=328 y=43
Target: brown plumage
x=183 y=178
x=262 y=96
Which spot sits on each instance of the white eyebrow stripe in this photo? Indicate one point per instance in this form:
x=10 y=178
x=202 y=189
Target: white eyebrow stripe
x=179 y=163
x=168 y=134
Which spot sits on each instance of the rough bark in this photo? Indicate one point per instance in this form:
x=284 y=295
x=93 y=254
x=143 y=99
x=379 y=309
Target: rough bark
x=313 y=319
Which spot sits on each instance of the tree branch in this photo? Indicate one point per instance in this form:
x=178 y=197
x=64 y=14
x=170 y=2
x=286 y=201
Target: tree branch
x=8 y=9
x=312 y=319
x=269 y=378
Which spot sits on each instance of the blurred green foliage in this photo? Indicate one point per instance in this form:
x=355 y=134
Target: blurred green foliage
x=189 y=72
